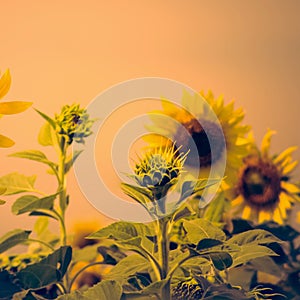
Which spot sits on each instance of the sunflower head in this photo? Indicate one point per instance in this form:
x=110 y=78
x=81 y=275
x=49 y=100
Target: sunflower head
x=187 y=290
x=81 y=231
x=73 y=123
x=211 y=130
x=259 y=182
x=159 y=168
x=264 y=191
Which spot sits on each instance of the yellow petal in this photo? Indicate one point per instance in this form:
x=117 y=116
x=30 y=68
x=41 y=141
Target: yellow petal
x=246 y=212
x=281 y=207
x=6 y=142
x=283 y=155
x=285 y=200
x=251 y=138
x=237 y=201
x=169 y=107
x=266 y=142
x=290 y=188
x=264 y=216
x=13 y=107
x=289 y=168
x=192 y=103
x=277 y=217
x=5 y=82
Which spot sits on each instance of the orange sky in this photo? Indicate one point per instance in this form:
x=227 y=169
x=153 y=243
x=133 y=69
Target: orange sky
x=62 y=52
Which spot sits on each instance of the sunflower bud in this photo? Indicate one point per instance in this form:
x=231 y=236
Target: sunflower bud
x=73 y=123
x=159 y=168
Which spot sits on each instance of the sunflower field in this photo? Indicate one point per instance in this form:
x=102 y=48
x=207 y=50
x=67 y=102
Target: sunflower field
x=222 y=210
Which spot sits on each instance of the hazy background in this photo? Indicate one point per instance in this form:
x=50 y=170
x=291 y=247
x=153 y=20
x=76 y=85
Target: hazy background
x=60 y=52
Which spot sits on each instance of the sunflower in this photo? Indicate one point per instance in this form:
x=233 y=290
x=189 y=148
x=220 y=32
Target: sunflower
x=264 y=191
x=202 y=126
x=9 y=108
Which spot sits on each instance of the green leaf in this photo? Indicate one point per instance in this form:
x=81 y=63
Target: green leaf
x=241 y=276
x=16 y=183
x=104 y=290
x=111 y=255
x=122 y=231
x=31 y=203
x=13 y=238
x=128 y=266
x=248 y=252
x=71 y=160
x=283 y=232
x=221 y=260
x=199 y=229
x=43 y=214
x=41 y=225
x=47 y=118
x=35 y=155
x=48 y=271
x=198 y=265
x=8 y=286
x=208 y=243
x=267 y=265
x=141 y=195
x=183 y=212
x=192 y=187
x=225 y=292
x=45 y=137
x=254 y=237
x=152 y=289
x=2 y=202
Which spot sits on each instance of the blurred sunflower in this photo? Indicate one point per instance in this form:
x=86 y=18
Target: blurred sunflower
x=264 y=191
x=208 y=125
x=9 y=108
x=86 y=255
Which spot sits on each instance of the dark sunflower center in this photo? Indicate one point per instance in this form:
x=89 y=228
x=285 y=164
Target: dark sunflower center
x=260 y=184
x=205 y=136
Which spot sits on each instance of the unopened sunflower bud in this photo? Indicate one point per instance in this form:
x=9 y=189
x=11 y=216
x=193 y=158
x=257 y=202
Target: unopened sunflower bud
x=159 y=168
x=73 y=123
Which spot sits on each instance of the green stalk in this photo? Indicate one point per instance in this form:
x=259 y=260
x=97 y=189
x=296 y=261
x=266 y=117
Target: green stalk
x=80 y=271
x=163 y=254
x=63 y=190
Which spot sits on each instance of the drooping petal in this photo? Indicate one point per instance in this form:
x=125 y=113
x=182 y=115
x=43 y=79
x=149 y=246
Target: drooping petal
x=6 y=142
x=284 y=154
x=5 y=82
x=289 y=168
x=266 y=142
x=13 y=107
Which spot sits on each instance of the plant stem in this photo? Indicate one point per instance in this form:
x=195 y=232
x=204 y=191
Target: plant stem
x=62 y=190
x=81 y=270
x=163 y=254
